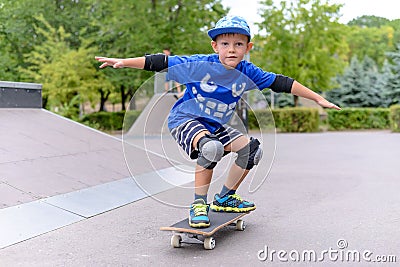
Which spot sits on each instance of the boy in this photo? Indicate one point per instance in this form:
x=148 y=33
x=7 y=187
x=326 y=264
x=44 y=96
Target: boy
x=198 y=120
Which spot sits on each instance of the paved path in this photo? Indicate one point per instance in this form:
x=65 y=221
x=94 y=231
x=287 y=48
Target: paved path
x=322 y=188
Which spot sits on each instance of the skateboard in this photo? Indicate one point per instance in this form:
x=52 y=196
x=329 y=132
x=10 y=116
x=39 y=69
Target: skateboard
x=204 y=235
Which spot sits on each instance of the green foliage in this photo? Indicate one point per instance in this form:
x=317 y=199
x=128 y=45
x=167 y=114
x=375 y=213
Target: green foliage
x=395 y=24
x=19 y=23
x=142 y=27
x=53 y=42
x=297 y=119
x=9 y=69
x=370 y=41
x=369 y=21
x=358 y=118
x=110 y=121
x=17 y=30
x=304 y=40
x=358 y=85
x=63 y=71
x=385 y=76
x=373 y=36
x=260 y=119
x=286 y=119
x=182 y=27
x=307 y=120
x=393 y=82
x=70 y=110
x=395 y=118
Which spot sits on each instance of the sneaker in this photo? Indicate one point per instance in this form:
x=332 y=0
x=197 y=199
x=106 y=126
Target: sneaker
x=231 y=203
x=198 y=214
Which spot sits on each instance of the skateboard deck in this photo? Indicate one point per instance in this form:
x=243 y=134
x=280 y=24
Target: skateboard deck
x=204 y=235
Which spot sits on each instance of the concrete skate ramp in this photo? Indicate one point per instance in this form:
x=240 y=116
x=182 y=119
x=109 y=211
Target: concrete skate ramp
x=43 y=154
x=153 y=118
x=54 y=171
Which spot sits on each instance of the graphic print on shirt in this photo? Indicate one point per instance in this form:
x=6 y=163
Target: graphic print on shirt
x=207 y=87
x=220 y=111
x=212 y=90
x=238 y=92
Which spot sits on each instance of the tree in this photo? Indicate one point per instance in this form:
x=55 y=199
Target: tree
x=358 y=86
x=178 y=24
x=373 y=36
x=393 y=83
x=8 y=61
x=16 y=33
x=63 y=71
x=369 y=21
x=182 y=24
x=384 y=77
x=370 y=41
x=371 y=95
x=121 y=28
x=352 y=84
x=18 y=22
x=303 y=40
x=395 y=24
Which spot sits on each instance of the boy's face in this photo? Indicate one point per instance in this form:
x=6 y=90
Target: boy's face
x=231 y=48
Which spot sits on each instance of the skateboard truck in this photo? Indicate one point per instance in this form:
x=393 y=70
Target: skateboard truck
x=177 y=241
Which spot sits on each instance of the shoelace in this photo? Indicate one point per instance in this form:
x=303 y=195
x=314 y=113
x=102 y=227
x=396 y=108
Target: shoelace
x=236 y=196
x=199 y=209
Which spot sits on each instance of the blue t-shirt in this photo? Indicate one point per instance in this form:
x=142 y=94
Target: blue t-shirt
x=212 y=91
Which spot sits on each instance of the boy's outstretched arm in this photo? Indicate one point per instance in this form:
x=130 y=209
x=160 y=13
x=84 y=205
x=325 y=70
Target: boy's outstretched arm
x=300 y=90
x=136 y=62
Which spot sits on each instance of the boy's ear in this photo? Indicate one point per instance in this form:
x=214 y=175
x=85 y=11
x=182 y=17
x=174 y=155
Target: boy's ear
x=214 y=46
x=249 y=46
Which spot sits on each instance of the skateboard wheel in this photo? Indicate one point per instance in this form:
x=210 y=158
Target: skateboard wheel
x=176 y=241
x=240 y=225
x=209 y=243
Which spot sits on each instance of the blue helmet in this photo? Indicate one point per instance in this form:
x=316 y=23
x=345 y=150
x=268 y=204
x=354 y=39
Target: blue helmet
x=230 y=24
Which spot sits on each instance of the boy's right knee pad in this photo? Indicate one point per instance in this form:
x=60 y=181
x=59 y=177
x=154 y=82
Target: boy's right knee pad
x=211 y=151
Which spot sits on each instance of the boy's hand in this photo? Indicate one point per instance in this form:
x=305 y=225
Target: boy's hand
x=302 y=91
x=113 y=62
x=326 y=104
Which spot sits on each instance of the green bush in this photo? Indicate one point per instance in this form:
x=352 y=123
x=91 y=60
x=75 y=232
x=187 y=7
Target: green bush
x=286 y=119
x=395 y=118
x=358 y=118
x=297 y=119
x=110 y=121
x=260 y=119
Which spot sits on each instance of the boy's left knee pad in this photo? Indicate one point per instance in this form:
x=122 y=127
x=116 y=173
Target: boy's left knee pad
x=249 y=155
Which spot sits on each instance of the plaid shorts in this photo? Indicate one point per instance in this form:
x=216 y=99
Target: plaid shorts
x=184 y=135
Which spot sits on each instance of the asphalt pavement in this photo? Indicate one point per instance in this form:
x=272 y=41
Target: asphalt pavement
x=329 y=199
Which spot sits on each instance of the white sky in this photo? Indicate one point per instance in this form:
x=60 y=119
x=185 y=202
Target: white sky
x=389 y=9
